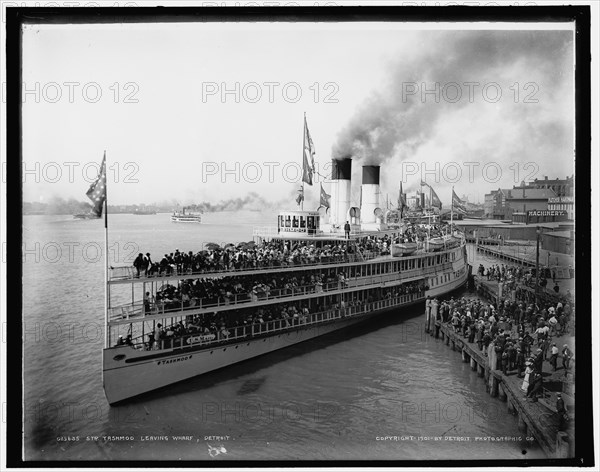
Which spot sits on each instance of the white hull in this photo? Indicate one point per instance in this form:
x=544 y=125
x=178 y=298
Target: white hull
x=125 y=380
x=176 y=219
x=129 y=372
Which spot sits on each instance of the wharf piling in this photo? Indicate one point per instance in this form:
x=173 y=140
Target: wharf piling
x=534 y=419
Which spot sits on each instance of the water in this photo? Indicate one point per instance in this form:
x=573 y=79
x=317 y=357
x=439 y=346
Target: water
x=335 y=397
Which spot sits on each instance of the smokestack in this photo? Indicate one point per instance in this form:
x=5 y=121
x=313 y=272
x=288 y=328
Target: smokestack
x=341 y=175
x=369 y=200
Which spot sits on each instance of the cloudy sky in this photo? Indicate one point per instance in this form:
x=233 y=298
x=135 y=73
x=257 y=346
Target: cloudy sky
x=205 y=112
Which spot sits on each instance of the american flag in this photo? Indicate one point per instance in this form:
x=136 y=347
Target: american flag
x=97 y=191
x=458 y=204
x=325 y=198
x=308 y=166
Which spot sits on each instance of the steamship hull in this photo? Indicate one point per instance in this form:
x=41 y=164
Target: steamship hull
x=186 y=219
x=370 y=282
x=146 y=373
x=129 y=373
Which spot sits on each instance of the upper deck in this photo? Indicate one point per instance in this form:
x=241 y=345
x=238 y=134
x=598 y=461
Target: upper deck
x=128 y=274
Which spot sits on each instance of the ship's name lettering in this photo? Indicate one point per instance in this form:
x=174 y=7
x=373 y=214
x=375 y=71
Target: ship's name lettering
x=172 y=361
x=197 y=339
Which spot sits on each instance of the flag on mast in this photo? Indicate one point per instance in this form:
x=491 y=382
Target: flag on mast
x=97 y=191
x=300 y=197
x=325 y=199
x=435 y=200
x=458 y=204
x=401 y=200
x=308 y=156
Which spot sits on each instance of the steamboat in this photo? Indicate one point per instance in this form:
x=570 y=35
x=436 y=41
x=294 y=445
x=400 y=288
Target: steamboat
x=303 y=278
x=186 y=216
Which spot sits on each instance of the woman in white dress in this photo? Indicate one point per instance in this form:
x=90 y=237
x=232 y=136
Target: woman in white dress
x=528 y=371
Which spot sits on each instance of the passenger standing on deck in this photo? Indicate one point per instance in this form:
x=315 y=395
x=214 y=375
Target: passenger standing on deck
x=147 y=304
x=347 y=230
x=150 y=341
x=159 y=335
x=147 y=263
x=138 y=263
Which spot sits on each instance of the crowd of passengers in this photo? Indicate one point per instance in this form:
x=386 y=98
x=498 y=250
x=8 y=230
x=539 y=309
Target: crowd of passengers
x=416 y=233
x=243 y=257
x=214 y=291
x=219 y=326
x=514 y=277
x=276 y=253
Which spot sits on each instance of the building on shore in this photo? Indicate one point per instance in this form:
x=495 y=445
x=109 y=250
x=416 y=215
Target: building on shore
x=559 y=241
x=536 y=196
x=496 y=204
x=561 y=187
x=565 y=203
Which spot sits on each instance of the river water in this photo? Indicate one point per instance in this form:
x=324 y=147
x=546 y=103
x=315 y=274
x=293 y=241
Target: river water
x=383 y=391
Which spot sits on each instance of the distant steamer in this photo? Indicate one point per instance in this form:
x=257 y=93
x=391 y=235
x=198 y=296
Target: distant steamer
x=186 y=216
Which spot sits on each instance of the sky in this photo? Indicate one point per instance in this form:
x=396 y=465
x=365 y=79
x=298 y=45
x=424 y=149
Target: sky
x=207 y=112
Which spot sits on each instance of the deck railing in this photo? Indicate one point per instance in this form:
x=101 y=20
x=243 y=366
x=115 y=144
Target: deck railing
x=120 y=273
x=239 y=332
x=128 y=311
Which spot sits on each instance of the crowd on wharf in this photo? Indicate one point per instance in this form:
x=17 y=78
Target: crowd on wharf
x=516 y=333
x=279 y=253
x=219 y=325
x=514 y=277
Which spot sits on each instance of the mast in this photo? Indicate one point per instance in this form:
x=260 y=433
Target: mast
x=106 y=287
x=303 y=160
x=452 y=209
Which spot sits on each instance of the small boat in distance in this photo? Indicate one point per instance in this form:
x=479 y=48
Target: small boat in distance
x=86 y=216
x=144 y=212
x=186 y=216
